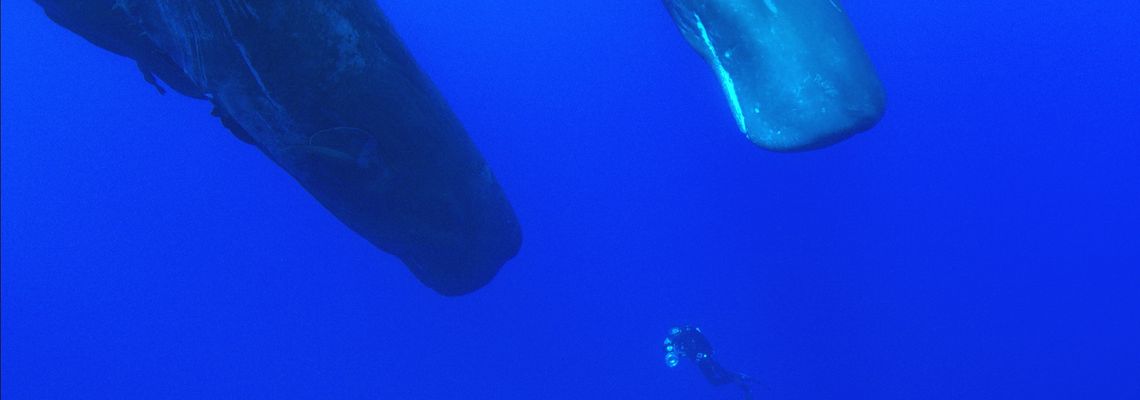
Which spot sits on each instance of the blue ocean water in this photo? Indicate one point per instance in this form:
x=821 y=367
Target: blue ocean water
x=979 y=243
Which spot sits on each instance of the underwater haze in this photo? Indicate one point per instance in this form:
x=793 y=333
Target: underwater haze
x=980 y=242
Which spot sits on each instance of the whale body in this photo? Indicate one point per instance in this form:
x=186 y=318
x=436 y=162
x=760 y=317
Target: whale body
x=794 y=73
x=327 y=90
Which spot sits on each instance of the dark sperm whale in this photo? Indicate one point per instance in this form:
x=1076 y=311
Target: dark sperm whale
x=326 y=89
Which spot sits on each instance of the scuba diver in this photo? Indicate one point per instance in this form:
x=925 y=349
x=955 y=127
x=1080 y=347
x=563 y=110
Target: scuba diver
x=688 y=342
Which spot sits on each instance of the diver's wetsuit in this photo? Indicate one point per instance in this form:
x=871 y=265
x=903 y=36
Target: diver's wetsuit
x=688 y=342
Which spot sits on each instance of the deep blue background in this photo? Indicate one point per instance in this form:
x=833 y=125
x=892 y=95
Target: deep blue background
x=980 y=243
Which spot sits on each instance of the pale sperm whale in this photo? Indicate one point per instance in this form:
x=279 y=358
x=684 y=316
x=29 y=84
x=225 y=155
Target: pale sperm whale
x=793 y=72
